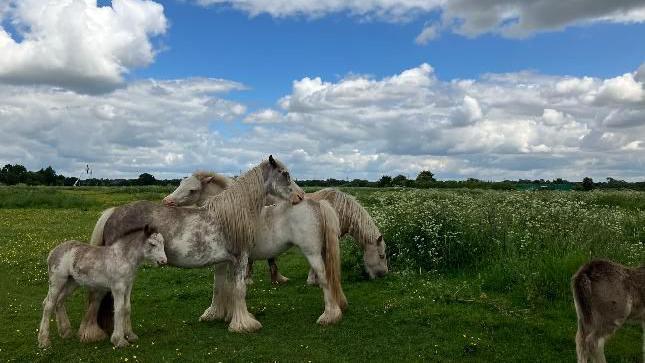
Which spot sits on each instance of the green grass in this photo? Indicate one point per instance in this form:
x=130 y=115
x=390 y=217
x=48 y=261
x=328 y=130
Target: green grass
x=472 y=302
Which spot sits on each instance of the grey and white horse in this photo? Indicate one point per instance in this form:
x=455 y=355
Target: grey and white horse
x=221 y=233
x=101 y=269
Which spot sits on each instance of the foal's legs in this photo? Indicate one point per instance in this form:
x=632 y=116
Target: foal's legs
x=118 y=336
x=241 y=320
x=129 y=334
x=332 y=313
x=55 y=287
x=276 y=277
x=62 y=320
x=220 y=308
x=90 y=331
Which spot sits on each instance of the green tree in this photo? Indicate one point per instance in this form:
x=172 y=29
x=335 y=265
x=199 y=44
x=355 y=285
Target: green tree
x=13 y=174
x=425 y=177
x=146 y=179
x=385 y=181
x=587 y=183
x=399 y=180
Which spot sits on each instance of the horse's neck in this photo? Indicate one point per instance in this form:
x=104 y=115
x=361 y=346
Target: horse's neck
x=129 y=250
x=208 y=191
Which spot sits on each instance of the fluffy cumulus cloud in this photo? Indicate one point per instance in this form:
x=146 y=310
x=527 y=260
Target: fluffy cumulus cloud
x=498 y=126
x=509 y=18
x=512 y=125
x=160 y=126
x=75 y=43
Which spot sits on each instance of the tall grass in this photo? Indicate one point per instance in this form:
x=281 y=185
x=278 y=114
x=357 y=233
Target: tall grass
x=526 y=243
x=42 y=197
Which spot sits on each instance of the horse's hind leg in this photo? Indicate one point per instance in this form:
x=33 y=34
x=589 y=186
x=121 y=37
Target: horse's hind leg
x=220 y=303
x=90 y=331
x=241 y=320
x=118 y=335
x=62 y=320
x=276 y=277
x=332 y=313
x=55 y=287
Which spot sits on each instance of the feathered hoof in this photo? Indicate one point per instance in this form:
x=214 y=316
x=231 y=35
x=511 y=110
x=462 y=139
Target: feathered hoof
x=66 y=333
x=246 y=325
x=330 y=317
x=212 y=314
x=91 y=333
x=131 y=337
x=119 y=342
x=44 y=342
x=281 y=280
x=343 y=304
x=312 y=281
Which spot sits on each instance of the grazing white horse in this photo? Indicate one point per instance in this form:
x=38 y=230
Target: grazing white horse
x=606 y=294
x=354 y=219
x=221 y=233
x=72 y=264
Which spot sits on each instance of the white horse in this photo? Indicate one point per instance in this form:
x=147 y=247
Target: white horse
x=311 y=226
x=99 y=268
x=354 y=219
x=222 y=233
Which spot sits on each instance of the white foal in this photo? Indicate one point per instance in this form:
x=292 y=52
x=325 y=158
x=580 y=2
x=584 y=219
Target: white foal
x=101 y=269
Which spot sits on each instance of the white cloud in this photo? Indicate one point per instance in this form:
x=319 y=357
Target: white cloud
x=514 y=125
x=509 y=18
x=76 y=44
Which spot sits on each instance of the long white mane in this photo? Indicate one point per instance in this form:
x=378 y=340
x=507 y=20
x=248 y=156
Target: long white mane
x=237 y=208
x=353 y=218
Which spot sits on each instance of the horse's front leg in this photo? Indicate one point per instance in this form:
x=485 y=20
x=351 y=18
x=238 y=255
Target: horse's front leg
x=333 y=312
x=241 y=320
x=220 y=308
x=276 y=277
x=90 y=331
x=130 y=336
x=118 y=335
x=249 y=273
x=312 y=279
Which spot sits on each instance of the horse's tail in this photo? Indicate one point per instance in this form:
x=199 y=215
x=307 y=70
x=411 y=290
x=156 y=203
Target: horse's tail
x=330 y=230
x=581 y=288
x=97 y=233
x=105 y=314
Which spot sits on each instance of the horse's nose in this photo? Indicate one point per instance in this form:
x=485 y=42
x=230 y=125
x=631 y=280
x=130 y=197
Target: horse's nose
x=168 y=202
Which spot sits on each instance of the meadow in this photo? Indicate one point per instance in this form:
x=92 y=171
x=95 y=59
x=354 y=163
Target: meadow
x=476 y=275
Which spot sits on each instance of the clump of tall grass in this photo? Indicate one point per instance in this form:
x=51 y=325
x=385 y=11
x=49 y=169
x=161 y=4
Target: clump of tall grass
x=528 y=243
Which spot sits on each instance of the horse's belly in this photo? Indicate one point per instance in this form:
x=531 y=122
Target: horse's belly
x=194 y=253
x=268 y=248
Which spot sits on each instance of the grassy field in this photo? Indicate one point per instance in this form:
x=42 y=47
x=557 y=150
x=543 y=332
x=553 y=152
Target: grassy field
x=476 y=276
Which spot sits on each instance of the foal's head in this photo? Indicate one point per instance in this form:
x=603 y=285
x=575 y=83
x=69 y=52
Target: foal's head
x=153 y=247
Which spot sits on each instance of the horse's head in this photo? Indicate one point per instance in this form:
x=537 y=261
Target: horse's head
x=188 y=192
x=279 y=184
x=375 y=259
x=153 y=249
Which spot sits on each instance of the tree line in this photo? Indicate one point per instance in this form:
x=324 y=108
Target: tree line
x=18 y=174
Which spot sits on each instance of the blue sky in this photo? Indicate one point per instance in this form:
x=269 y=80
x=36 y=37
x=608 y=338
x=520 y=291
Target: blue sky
x=266 y=53
x=505 y=89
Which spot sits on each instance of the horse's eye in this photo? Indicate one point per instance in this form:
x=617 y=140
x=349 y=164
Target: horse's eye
x=381 y=256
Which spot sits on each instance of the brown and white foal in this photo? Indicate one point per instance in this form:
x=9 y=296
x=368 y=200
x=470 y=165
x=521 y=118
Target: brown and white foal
x=101 y=269
x=606 y=295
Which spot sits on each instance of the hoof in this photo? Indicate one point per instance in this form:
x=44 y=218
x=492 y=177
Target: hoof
x=65 y=334
x=119 y=342
x=280 y=280
x=44 y=343
x=330 y=317
x=91 y=333
x=212 y=314
x=247 y=325
x=131 y=337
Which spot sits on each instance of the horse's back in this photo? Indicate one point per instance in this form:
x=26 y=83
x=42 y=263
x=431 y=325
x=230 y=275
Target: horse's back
x=127 y=218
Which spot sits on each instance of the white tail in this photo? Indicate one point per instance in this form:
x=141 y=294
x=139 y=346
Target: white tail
x=330 y=230
x=97 y=233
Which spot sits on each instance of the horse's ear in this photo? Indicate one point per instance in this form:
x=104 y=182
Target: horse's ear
x=207 y=180
x=272 y=161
